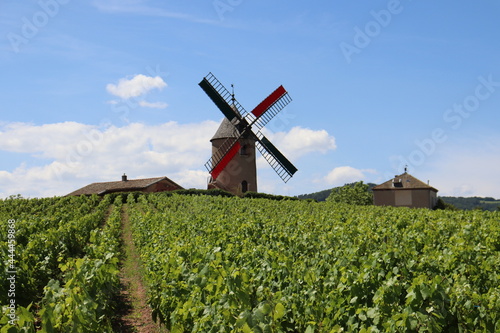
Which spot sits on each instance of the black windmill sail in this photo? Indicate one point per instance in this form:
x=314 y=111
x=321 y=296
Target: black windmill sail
x=243 y=122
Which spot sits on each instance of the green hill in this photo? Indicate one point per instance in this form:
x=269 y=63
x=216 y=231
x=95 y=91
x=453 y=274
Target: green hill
x=487 y=203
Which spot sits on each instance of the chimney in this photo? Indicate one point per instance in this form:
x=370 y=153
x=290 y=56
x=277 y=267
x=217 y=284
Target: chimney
x=124 y=178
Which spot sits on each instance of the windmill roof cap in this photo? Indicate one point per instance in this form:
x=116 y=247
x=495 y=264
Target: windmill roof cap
x=225 y=130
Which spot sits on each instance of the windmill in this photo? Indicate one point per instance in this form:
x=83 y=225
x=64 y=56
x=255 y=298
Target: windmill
x=232 y=166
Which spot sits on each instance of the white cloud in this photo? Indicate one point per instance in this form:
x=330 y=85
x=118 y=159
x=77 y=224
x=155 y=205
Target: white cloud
x=154 y=105
x=80 y=154
x=48 y=141
x=346 y=174
x=300 y=141
x=136 y=86
x=192 y=178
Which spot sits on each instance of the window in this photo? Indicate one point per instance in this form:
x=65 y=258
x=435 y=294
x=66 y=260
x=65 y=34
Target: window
x=244 y=186
x=397 y=183
x=244 y=150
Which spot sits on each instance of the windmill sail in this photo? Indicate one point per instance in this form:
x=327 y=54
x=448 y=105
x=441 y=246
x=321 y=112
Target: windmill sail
x=222 y=98
x=283 y=167
x=270 y=107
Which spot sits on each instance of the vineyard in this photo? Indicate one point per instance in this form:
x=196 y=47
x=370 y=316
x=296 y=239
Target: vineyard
x=227 y=264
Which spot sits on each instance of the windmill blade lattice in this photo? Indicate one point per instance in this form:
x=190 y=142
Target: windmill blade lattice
x=222 y=98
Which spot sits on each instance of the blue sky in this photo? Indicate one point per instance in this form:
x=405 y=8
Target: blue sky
x=93 y=89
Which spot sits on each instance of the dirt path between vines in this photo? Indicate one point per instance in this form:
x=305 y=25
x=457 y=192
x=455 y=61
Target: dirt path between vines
x=134 y=313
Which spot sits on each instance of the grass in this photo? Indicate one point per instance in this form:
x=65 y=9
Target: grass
x=134 y=314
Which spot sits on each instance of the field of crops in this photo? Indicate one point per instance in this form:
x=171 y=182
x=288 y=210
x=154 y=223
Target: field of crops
x=216 y=264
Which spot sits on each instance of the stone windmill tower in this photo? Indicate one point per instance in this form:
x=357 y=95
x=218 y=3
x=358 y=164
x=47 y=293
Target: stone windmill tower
x=240 y=174
x=232 y=166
